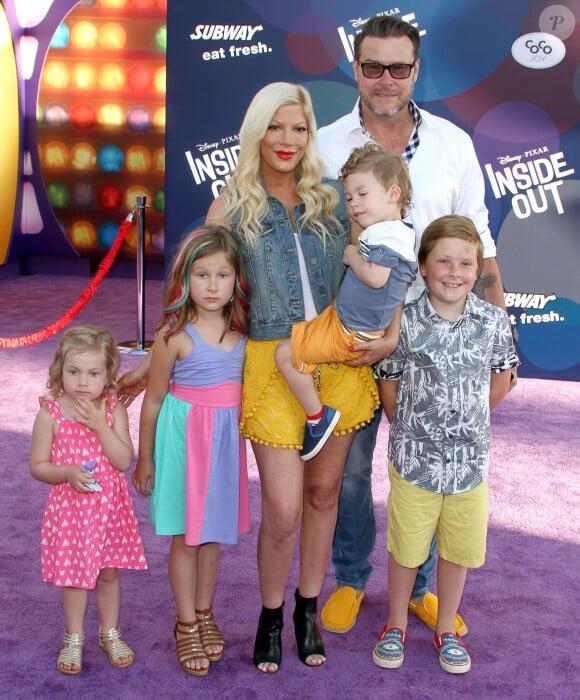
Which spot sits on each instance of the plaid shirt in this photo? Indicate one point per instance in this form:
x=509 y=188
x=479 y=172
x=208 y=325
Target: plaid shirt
x=413 y=143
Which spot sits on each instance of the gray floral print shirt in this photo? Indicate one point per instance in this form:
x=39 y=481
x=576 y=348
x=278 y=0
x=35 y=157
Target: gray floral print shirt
x=439 y=437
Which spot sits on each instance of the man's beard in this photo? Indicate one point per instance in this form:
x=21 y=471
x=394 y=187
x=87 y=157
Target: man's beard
x=401 y=103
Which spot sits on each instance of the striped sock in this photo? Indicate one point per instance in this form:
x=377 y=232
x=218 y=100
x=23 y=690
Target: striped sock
x=315 y=419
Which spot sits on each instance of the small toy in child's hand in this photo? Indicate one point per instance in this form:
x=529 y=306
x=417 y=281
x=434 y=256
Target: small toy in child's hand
x=89 y=466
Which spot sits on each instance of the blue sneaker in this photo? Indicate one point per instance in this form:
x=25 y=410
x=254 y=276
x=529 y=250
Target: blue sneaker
x=453 y=656
x=315 y=436
x=389 y=651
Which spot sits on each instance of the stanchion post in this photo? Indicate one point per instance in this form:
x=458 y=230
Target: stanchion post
x=140 y=210
x=139 y=346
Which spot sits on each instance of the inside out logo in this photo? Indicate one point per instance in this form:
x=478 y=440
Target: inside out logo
x=538 y=50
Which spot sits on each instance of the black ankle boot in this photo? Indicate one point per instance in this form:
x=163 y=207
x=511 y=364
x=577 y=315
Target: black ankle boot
x=308 y=639
x=268 y=645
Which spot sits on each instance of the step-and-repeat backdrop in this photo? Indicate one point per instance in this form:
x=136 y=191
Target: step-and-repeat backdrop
x=83 y=118
x=508 y=73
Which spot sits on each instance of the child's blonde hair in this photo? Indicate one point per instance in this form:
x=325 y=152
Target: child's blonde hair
x=450 y=226
x=387 y=168
x=84 y=339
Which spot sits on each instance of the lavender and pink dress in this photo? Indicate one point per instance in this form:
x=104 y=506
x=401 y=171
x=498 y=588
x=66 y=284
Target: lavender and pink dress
x=201 y=479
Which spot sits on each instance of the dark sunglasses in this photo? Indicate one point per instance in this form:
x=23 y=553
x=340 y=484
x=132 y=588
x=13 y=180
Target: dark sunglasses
x=398 y=71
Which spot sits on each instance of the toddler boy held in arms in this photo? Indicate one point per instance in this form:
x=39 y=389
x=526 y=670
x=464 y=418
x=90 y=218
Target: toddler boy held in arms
x=377 y=190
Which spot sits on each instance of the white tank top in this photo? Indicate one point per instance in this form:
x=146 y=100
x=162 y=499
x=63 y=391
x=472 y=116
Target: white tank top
x=309 y=306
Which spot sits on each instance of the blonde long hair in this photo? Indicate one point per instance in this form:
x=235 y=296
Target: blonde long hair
x=245 y=197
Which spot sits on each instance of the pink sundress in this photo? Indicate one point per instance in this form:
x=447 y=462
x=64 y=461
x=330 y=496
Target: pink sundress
x=84 y=533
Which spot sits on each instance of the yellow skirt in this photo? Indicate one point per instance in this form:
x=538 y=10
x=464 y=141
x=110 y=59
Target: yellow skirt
x=271 y=415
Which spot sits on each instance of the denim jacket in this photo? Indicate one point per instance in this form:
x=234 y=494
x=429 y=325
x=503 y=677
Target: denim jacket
x=273 y=274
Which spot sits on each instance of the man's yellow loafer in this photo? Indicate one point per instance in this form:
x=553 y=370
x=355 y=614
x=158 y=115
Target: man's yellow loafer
x=340 y=611
x=426 y=610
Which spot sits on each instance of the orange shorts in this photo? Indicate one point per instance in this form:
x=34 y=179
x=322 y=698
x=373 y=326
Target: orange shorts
x=325 y=339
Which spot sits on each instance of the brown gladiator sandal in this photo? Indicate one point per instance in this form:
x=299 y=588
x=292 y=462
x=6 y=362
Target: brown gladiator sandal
x=209 y=634
x=189 y=647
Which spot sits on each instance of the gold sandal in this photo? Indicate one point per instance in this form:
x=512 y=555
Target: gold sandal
x=209 y=634
x=71 y=654
x=189 y=646
x=115 y=648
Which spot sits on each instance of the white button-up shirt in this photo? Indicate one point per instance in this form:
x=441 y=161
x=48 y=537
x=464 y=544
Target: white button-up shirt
x=445 y=174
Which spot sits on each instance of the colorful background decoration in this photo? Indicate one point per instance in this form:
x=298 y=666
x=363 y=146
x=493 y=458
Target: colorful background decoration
x=508 y=73
x=93 y=77
x=10 y=121
x=90 y=77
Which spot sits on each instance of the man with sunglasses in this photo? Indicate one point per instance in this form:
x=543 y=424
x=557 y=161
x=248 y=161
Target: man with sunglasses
x=446 y=179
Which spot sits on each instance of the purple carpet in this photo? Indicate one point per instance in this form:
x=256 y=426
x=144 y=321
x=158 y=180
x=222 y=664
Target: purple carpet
x=522 y=607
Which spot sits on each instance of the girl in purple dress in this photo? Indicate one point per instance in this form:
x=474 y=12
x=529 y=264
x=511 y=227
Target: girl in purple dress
x=192 y=459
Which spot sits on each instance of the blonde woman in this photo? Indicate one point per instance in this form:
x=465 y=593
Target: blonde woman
x=292 y=229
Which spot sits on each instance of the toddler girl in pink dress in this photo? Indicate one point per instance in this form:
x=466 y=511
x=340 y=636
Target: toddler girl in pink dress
x=87 y=534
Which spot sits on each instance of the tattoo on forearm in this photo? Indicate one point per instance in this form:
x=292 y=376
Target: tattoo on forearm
x=483 y=283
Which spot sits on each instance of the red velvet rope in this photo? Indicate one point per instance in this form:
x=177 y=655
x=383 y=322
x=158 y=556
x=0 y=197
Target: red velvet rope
x=84 y=297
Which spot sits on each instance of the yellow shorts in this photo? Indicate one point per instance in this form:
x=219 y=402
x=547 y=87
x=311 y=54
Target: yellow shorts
x=271 y=415
x=325 y=339
x=415 y=515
